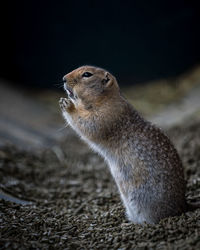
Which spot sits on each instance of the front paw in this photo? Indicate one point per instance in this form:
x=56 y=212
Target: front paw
x=64 y=103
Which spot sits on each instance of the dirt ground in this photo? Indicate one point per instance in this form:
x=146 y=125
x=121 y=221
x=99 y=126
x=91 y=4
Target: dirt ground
x=65 y=198
x=75 y=203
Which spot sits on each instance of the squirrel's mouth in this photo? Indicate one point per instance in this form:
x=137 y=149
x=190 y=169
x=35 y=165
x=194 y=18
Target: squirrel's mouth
x=69 y=91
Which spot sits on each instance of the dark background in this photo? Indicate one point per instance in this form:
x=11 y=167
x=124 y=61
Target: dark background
x=136 y=40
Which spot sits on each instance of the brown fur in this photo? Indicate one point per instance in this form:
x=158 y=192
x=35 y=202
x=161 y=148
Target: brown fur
x=142 y=160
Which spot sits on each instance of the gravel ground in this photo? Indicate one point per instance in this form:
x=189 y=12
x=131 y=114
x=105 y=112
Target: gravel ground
x=74 y=203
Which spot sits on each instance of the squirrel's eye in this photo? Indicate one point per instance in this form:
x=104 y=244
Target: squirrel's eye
x=87 y=74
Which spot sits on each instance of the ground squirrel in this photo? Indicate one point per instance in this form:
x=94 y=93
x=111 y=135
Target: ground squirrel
x=142 y=160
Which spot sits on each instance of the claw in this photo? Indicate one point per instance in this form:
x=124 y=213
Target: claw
x=64 y=103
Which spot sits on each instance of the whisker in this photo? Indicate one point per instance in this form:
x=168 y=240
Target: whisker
x=61 y=129
x=59 y=85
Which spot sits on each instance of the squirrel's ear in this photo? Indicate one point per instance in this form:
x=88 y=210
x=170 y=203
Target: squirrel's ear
x=107 y=81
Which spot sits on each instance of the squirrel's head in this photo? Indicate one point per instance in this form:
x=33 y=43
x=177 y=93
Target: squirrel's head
x=89 y=83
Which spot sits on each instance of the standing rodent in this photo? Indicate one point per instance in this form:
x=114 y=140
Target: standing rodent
x=142 y=160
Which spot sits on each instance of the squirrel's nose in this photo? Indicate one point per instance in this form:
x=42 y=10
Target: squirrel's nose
x=64 y=79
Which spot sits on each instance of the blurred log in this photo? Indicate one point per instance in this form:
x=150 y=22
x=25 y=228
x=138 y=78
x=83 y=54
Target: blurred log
x=25 y=121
